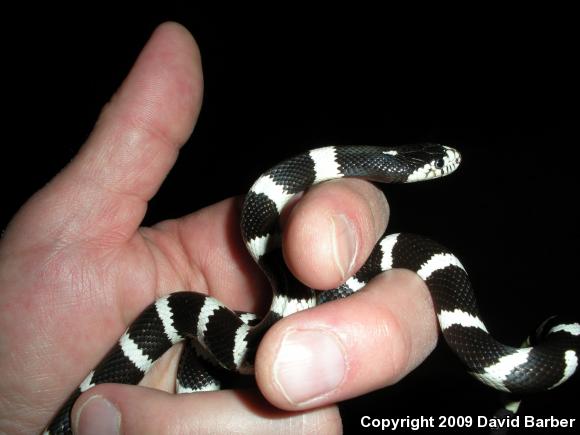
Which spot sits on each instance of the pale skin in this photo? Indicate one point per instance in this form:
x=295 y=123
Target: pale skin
x=76 y=268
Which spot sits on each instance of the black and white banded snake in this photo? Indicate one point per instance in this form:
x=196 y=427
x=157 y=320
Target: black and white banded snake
x=217 y=336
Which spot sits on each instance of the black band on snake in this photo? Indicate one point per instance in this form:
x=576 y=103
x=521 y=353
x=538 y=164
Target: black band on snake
x=218 y=338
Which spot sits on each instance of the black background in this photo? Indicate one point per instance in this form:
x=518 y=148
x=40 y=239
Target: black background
x=499 y=86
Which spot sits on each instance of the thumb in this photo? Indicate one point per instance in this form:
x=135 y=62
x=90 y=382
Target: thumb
x=129 y=409
x=102 y=194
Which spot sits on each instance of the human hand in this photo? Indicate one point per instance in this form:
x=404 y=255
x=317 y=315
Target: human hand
x=76 y=269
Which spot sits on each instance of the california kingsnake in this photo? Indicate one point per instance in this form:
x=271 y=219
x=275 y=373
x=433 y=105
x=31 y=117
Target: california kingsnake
x=222 y=339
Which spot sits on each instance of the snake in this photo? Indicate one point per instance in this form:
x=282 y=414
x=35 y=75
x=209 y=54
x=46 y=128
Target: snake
x=219 y=341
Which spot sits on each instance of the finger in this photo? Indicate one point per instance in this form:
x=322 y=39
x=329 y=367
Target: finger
x=138 y=410
x=348 y=347
x=104 y=190
x=332 y=230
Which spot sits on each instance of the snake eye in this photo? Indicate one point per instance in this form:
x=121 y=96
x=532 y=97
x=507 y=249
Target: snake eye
x=439 y=163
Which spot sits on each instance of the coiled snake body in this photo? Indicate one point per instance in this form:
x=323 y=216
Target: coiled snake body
x=216 y=336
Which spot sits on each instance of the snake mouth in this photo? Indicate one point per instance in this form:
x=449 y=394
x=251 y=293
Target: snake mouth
x=453 y=158
x=452 y=154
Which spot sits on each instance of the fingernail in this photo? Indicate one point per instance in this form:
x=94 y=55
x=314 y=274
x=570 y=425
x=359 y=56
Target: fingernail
x=344 y=244
x=98 y=416
x=310 y=364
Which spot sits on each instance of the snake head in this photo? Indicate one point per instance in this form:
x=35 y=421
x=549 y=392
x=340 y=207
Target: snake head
x=428 y=160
